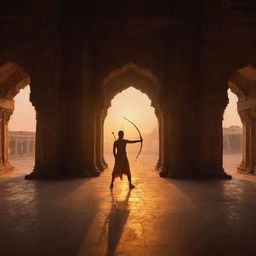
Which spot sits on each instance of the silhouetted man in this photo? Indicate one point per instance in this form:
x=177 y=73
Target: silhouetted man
x=121 y=161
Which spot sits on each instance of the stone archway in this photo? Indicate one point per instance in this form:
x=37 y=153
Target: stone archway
x=243 y=83
x=12 y=79
x=118 y=80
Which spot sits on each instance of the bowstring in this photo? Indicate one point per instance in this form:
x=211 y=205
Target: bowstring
x=122 y=123
x=134 y=138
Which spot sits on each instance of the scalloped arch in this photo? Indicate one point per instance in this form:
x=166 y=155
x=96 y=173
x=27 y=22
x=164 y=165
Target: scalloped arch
x=12 y=79
x=243 y=82
x=131 y=75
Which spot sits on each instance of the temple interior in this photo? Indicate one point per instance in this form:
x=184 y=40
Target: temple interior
x=176 y=69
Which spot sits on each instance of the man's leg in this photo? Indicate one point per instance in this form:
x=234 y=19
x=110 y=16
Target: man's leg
x=130 y=181
x=112 y=181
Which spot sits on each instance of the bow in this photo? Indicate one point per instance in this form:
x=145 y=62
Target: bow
x=139 y=134
x=114 y=135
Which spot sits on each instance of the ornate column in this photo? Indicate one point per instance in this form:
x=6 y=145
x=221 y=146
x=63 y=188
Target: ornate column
x=6 y=110
x=104 y=114
x=47 y=160
x=89 y=135
x=249 y=141
x=4 y=119
x=160 y=138
x=99 y=139
x=166 y=157
x=213 y=96
x=211 y=160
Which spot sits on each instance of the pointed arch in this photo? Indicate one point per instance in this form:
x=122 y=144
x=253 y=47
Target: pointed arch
x=130 y=75
x=12 y=79
x=243 y=83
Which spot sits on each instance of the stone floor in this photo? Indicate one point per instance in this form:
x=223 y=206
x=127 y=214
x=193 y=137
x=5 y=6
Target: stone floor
x=160 y=217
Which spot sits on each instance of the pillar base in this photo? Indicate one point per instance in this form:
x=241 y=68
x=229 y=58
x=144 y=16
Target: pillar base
x=6 y=168
x=195 y=174
x=105 y=165
x=158 y=166
x=63 y=173
x=245 y=169
x=43 y=173
x=101 y=167
x=93 y=171
x=164 y=174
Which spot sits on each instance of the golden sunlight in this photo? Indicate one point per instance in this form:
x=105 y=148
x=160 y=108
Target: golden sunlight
x=231 y=116
x=24 y=115
x=136 y=106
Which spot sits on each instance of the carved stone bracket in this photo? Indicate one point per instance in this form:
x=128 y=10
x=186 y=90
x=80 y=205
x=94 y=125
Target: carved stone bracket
x=5 y=115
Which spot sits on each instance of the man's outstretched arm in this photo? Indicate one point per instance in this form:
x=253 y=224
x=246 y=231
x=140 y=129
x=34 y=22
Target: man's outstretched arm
x=134 y=141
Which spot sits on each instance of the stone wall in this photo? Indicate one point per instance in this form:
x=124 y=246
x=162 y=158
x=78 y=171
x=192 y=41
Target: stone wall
x=232 y=140
x=76 y=55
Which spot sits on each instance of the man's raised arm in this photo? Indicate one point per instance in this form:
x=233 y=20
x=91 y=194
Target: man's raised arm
x=134 y=141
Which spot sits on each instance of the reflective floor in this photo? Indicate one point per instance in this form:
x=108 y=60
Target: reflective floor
x=159 y=217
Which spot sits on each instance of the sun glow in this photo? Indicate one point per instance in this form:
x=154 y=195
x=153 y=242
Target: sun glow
x=24 y=115
x=231 y=116
x=136 y=106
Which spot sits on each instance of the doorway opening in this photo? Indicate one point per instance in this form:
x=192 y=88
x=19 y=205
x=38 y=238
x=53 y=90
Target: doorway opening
x=242 y=83
x=232 y=135
x=17 y=122
x=136 y=106
x=22 y=132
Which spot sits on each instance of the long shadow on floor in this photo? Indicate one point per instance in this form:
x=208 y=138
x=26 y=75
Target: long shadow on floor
x=115 y=222
x=45 y=217
x=214 y=217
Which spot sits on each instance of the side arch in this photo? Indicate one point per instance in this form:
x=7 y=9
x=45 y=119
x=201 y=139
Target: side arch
x=243 y=83
x=129 y=75
x=12 y=79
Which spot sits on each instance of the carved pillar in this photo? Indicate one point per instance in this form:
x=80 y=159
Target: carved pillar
x=89 y=136
x=160 y=138
x=249 y=141
x=214 y=96
x=166 y=157
x=104 y=114
x=99 y=141
x=6 y=109
x=212 y=140
x=4 y=119
x=47 y=161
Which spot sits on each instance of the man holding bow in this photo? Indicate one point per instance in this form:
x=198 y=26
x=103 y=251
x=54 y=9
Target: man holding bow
x=121 y=161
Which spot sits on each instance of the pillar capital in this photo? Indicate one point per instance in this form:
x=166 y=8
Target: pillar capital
x=5 y=115
x=7 y=105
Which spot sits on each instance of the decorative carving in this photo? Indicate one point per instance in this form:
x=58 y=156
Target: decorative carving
x=243 y=83
x=130 y=75
x=12 y=79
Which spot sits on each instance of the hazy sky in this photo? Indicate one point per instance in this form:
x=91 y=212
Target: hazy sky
x=231 y=116
x=24 y=115
x=137 y=108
